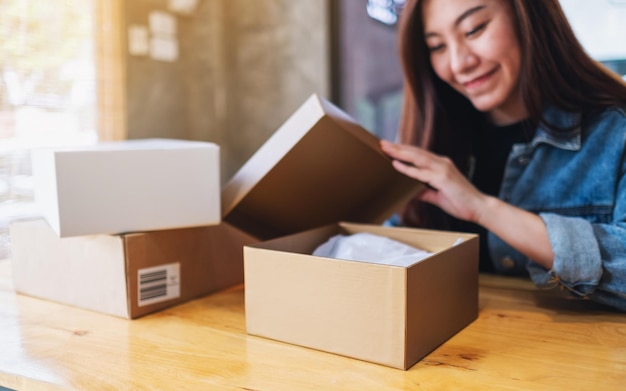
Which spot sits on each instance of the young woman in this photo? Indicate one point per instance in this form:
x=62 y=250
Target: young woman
x=521 y=137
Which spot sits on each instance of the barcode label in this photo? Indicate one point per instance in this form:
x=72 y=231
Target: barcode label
x=158 y=283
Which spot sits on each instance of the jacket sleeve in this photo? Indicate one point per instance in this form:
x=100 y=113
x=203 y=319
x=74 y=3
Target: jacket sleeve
x=589 y=258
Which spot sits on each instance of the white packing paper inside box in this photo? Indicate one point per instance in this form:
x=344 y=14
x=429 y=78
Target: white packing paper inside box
x=127 y=186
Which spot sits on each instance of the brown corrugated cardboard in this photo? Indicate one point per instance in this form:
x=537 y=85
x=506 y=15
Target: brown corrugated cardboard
x=384 y=314
x=127 y=275
x=318 y=168
x=127 y=186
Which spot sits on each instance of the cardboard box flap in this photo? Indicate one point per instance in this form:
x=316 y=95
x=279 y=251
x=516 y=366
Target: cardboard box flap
x=320 y=167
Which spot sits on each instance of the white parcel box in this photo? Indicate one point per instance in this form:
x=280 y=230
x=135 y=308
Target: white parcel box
x=128 y=186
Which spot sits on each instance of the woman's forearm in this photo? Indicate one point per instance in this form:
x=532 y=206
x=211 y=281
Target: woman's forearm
x=523 y=230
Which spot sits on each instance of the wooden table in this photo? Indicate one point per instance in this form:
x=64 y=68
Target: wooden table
x=524 y=339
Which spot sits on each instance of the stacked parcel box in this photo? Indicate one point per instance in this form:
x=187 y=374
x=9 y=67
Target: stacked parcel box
x=129 y=227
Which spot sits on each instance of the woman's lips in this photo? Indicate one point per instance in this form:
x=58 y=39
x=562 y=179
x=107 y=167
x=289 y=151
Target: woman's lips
x=479 y=80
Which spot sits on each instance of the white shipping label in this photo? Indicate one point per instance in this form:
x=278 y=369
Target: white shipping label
x=158 y=283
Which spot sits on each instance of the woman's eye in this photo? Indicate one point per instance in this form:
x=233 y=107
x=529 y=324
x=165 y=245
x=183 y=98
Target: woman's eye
x=476 y=29
x=435 y=48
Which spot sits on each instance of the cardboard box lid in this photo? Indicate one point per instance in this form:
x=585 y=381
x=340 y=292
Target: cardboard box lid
x=318 y=168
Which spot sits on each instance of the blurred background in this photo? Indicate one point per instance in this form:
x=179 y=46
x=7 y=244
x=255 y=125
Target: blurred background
x=76 y=72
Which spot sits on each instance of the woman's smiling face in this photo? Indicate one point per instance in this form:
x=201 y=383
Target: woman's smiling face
x=475 y=49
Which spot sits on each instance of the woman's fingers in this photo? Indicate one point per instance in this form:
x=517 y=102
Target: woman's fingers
x=430 y=196
x=415 y=162
x=412 y=171
x=406 y=169
x=448 y=188
x=405 y=153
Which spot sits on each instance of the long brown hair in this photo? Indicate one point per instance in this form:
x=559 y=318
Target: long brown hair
x=555 y=70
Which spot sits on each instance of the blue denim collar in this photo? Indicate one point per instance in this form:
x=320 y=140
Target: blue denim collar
x=569 y=139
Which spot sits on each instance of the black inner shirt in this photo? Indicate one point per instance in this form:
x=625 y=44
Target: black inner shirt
x=491 y=146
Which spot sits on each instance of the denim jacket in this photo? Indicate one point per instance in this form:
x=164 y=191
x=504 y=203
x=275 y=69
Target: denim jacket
x=577 y=184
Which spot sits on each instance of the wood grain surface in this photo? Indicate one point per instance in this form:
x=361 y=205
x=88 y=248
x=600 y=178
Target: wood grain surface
x=524 y=339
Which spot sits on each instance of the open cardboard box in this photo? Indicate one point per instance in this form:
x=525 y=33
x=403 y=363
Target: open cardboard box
x=389 y=315
x=318 y=169
x=127 y=275
x=130 y=228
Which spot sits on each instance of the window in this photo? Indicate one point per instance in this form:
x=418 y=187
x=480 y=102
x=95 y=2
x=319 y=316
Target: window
x=600 y=27
x=367 y=77
x=59 y=85
x=385 y=11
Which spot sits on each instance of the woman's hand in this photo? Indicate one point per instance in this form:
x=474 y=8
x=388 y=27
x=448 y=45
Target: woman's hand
x=453 y=193
x=449 y=189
